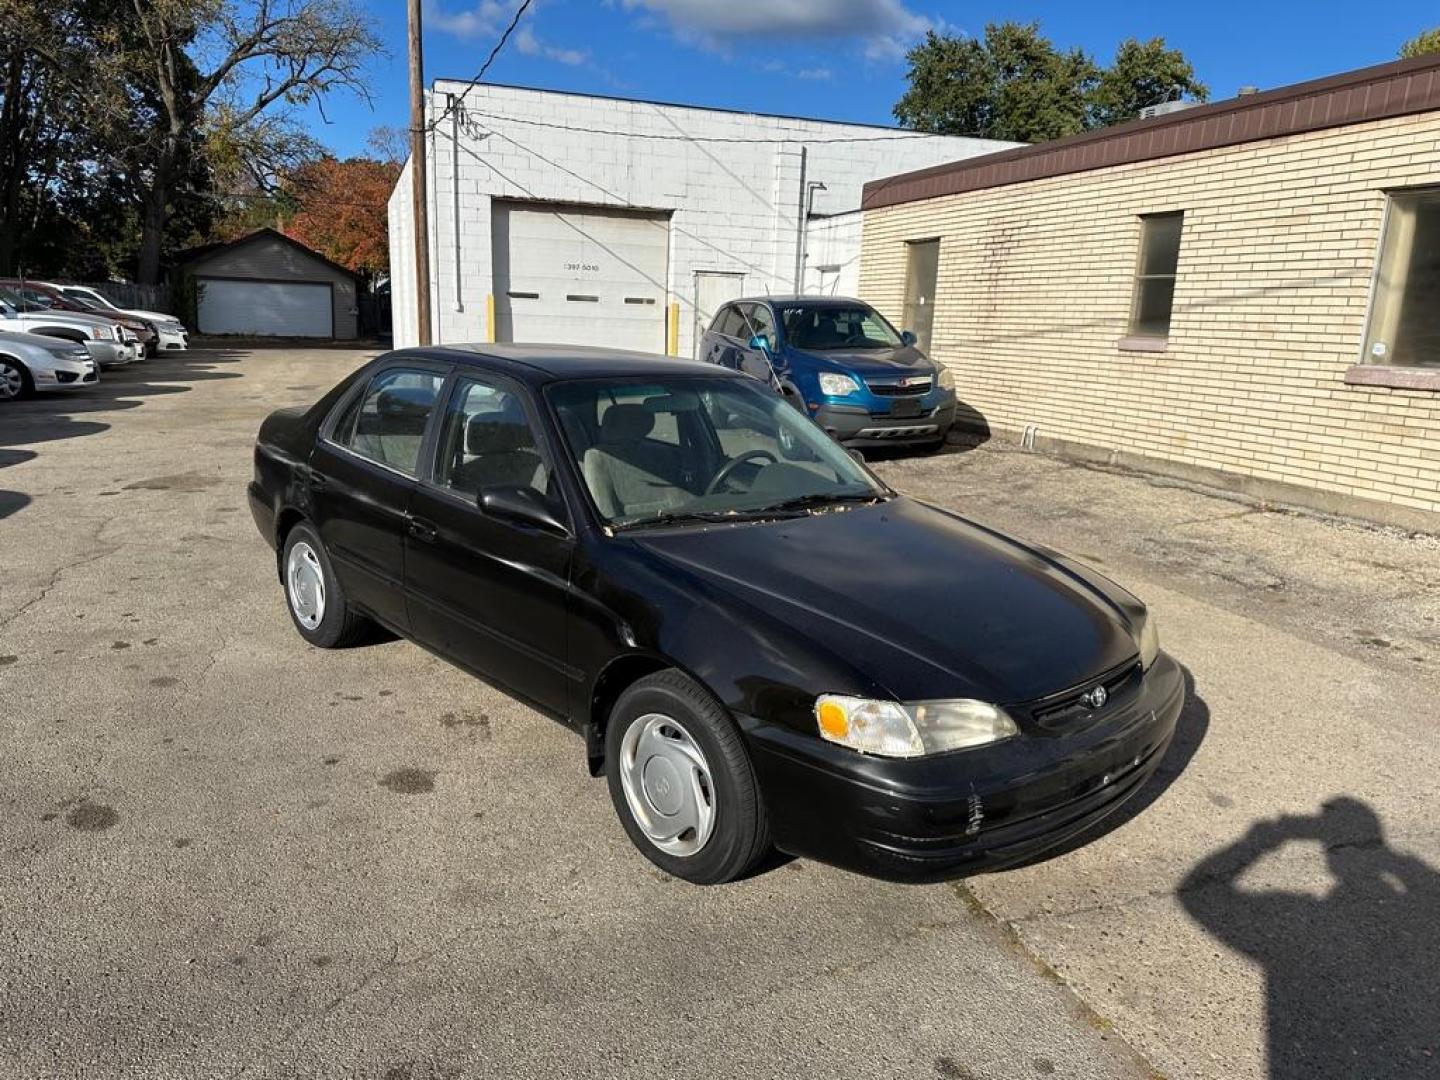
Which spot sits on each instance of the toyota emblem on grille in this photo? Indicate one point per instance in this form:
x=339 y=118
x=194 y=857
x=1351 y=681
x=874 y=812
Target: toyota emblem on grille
x=1093 y=699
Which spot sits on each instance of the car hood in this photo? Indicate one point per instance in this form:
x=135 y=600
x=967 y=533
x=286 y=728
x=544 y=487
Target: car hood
x=905 y=360
x=920 y=600
x=153 y=316
x=58 y=346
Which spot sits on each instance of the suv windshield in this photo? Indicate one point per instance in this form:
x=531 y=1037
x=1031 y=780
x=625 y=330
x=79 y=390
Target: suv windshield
x=690 y=448
x=818 y=327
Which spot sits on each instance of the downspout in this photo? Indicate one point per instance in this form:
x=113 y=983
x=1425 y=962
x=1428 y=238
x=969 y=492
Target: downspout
x=800 y=229
x=455 y=197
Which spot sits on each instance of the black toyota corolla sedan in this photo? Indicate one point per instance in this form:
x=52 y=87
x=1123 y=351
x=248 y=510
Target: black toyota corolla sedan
x=759 y=641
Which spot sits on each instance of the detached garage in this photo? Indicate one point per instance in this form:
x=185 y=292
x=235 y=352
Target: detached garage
x=269 y=285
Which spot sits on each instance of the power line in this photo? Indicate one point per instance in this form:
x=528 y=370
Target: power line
x=459 y=102
x=898 y=136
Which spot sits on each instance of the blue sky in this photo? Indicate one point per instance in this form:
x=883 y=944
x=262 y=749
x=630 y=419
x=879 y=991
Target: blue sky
x=841 y=59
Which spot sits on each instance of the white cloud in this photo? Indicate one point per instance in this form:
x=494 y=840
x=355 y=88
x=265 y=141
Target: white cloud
x=815 y=74
x=486 y=21
x=530 y=45
x=706 y=21
x=882 y=30
x=486 y=18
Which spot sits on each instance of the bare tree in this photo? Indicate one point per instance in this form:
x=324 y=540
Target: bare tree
x=267 y=56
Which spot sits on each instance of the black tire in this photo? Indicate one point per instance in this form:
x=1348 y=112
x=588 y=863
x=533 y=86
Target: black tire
x=9 y=369
x=740 y=838
x=339 y=624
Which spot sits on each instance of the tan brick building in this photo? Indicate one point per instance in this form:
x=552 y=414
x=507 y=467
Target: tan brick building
x=1245 y=293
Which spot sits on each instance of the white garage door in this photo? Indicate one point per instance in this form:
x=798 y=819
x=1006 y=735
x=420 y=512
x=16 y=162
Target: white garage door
x=580 y=276
x=289 y=309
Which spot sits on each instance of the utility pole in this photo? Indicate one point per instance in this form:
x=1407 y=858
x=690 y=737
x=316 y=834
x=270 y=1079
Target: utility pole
x=419 y=176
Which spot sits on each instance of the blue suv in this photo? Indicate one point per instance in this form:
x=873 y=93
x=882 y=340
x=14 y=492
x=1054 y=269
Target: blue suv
x=842 y=363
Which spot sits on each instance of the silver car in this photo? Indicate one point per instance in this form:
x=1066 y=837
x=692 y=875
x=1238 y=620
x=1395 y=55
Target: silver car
x=108 y=343
x=171 y=334
x=33 y=362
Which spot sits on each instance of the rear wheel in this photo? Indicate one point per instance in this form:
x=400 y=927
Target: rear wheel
x=313 y=593
x=14 y=380
x=682 y=783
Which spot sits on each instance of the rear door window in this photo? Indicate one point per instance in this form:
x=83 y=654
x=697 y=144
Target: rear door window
x=386 y=424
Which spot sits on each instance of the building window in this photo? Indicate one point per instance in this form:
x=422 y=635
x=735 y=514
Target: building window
x=1155 y=278
x=922 y=266
x=1404 y=326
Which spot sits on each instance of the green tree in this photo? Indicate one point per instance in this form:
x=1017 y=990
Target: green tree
x=1143 y=73
x=260 y=59
x=1011 y=84
x=1015 y=84
x=1421 y=44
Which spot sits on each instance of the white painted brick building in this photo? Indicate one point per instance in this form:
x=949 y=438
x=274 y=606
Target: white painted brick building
x=571 y=218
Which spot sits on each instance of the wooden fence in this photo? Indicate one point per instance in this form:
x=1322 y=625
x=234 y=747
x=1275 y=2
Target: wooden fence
x=127 y=294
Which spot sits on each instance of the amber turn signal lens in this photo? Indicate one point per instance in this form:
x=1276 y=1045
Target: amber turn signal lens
x=833 y=720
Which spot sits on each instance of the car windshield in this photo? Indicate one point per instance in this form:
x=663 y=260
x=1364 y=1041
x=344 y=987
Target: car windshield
x=16 y=301
x=819 y=327
x=691 y=448
x=92 y=301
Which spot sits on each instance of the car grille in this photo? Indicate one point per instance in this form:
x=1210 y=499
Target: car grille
x=894 y=389
x=1062 y=710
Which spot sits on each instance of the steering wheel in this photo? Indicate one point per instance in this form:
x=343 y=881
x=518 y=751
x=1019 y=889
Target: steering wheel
x=733 y=464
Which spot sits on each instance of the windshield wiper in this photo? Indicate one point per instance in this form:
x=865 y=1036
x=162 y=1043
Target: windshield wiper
x=687 y=517
x=822 y=498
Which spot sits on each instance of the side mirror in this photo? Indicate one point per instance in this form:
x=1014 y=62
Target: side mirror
x=511 y=502
x=908 y=337
x=761 y=342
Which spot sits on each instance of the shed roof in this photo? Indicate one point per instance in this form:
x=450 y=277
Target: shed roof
x=206 y=251
x=1399 y=88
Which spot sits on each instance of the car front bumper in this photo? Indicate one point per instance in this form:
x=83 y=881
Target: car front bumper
x=853 y=425
x=969 y=811
x=173 y=340
x=111 y=353
x=65 y=375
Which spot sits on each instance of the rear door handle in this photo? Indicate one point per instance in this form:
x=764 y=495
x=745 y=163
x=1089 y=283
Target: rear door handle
x=422 y=530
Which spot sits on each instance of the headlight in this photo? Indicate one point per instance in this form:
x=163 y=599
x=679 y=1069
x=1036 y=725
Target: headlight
x=890 y=729
x=1149 y=642
x=944 y=380
x=834 y=384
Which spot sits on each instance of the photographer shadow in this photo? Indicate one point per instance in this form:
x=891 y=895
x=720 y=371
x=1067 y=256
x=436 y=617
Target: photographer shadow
x=1352 y=977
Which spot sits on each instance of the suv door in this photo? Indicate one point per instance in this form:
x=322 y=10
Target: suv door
x=361 y=476
x=759 y=363
x=717 y=348
x=490 y=593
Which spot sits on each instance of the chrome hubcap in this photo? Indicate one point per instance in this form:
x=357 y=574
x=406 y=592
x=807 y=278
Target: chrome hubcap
x=305 y=585
x=667 y=784
x=11 y=382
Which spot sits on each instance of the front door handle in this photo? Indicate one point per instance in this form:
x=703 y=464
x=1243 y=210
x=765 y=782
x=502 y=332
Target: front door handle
x=422 y=530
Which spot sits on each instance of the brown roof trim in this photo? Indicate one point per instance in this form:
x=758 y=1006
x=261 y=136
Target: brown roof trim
x=1399 y=88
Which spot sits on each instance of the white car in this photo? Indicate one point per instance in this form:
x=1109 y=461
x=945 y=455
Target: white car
x=31 y=362
x=171 y=334
x=109 y=343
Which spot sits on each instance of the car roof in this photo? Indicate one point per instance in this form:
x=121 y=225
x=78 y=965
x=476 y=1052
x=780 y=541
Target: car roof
x=809 y=301
x=551 y=363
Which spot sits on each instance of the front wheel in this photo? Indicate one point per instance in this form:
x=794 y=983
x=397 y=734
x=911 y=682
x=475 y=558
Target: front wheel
x=313 y=593
x=682 y=783
x=14 y=380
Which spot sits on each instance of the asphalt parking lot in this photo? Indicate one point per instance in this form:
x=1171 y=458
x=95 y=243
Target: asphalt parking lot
x=223 y=853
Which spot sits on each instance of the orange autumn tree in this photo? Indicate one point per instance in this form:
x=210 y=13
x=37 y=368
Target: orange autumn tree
x=339 y=210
